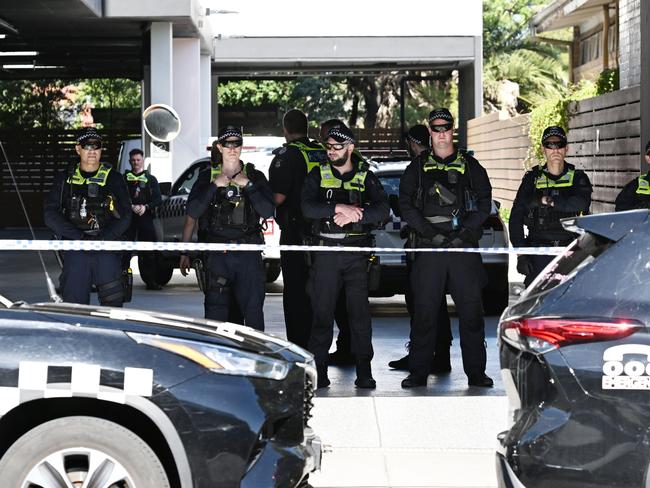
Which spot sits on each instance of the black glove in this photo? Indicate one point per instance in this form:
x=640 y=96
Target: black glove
x=429 y=232
x=524 y=265
x=462 y=238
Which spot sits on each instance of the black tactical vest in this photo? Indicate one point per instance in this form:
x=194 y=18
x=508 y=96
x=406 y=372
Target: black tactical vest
x=85 y=202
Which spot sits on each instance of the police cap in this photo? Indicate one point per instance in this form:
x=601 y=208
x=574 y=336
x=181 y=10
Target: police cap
x=88 y=134
x=554 y=131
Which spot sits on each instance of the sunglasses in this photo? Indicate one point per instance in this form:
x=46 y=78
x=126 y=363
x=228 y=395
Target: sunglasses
x=91 y=146
x=336 y=147
x=554 y=144
x=232 y=144
x=441 y=128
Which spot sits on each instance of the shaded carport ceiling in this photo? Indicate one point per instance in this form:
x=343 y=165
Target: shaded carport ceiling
x=277 y=56
x=80 y=38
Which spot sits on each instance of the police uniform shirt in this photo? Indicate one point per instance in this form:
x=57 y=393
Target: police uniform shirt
x=410 y=182
x=113 y=229
x=203 y=192
x=135 y=192
x=574 y=199
x=629 y=198
x=375 y=211
x=286 y=176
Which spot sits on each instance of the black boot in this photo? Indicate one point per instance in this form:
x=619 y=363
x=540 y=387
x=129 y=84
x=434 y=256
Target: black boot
x=414 y=380
x=364 y=375
x=323 y=381
x=401 y=364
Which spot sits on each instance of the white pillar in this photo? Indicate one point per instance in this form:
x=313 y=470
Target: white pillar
x=206 y=98
x=188 y=146
x=215 y=104
x=160 y=91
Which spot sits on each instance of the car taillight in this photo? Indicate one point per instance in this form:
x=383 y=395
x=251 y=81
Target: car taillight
x=540 y=335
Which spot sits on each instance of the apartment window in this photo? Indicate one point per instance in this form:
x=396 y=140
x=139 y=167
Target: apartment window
x=590 y=48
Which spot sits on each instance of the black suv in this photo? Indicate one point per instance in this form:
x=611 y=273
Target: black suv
x=575 y=357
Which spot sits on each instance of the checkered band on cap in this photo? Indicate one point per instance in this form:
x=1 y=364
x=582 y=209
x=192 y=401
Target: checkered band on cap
x=554 y=131
x=441 y=113
x=89 y=133
x=340 y=133
x=227 y=132
x=419 y=134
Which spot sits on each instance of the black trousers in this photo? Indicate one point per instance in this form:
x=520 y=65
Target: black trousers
x=539 y=263
x=331 y=272
x=239 y=274
x=142 y=229
x=82 y=269
x=432 y=274
x=295 y=299
x=444 y=336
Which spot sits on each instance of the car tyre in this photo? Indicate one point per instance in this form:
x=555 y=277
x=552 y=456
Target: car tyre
x=164 y=270
x=78 y=447
x=272 y=271
x=497 y=292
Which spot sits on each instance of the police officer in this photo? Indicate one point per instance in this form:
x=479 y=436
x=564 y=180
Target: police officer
x=345 y=202
x=547 y=194
x=342 y=356
x=145 y=197
x=418 y=139
x=445 y=196
x=636 y=194
x=287 y=174
x=229 y=200
x=90 y=201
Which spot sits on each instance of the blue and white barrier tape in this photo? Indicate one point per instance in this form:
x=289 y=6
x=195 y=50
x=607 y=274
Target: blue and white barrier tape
x=83 y=245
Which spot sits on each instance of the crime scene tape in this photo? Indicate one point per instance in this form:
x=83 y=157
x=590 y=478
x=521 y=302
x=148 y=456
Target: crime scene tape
x=90 y=245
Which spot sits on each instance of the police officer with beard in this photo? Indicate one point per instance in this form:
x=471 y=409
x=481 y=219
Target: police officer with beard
x=287 y=174
x=417 y=139
x=547 y=194
x=445 y=196
x=229 y=200
x=345 y=203
x=636 y=194
x=90 y=201
x=145 y=197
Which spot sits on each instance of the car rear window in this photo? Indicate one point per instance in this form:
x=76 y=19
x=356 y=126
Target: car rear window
x=579 y=254
x=390 y=184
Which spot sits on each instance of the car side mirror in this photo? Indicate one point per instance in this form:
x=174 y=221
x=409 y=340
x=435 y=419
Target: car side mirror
x=166 y=188
x=393 y=201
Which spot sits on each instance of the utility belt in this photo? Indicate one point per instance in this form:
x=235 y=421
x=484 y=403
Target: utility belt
x=366 y=240
x=245 y=239
x=550 y=241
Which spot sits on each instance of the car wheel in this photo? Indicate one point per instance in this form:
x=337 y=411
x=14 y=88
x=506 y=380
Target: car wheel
x=164 y=271
x=76 y=451
x=272 y=271
x=497 y=292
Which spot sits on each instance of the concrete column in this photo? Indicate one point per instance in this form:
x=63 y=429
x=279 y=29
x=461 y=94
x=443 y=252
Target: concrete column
x=206 y=98
x=644 y=26
x=187 y=102
x=470 y=91
x=160 y=91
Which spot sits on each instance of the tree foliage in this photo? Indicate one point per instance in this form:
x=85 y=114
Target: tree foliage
x=510 y=53
x=27 y=104
x=110 y=93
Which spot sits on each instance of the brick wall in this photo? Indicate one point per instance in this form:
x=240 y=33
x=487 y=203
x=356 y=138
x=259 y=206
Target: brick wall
x=630 y=42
